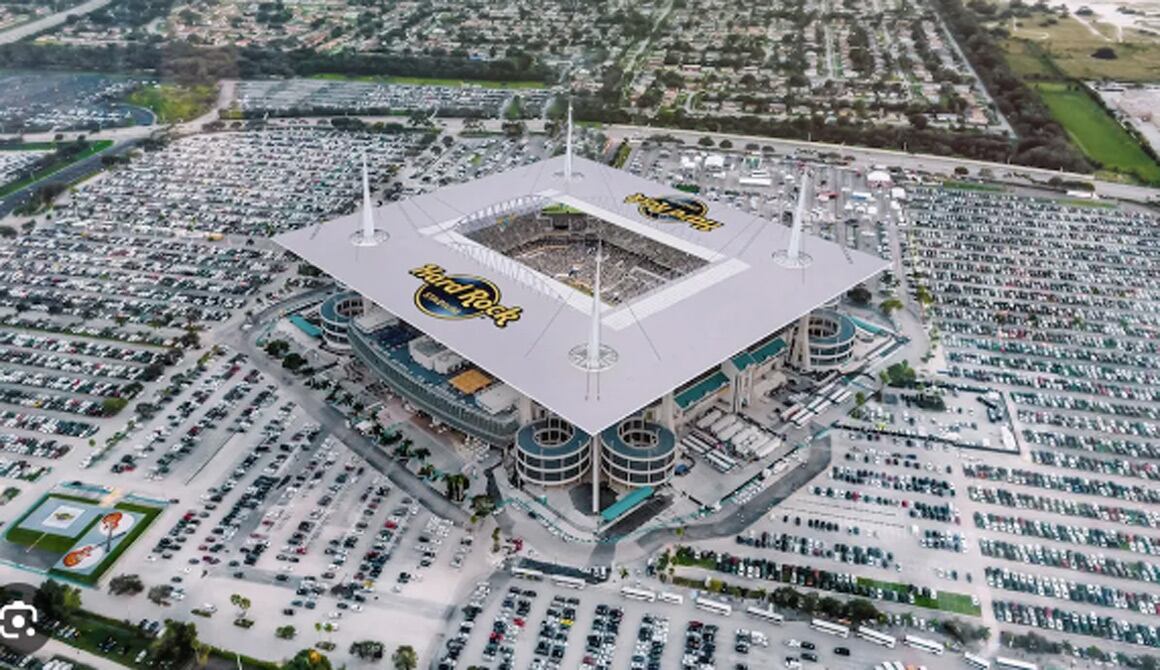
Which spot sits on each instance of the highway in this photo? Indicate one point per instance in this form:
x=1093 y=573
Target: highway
x=865 y=157
x=51 y=21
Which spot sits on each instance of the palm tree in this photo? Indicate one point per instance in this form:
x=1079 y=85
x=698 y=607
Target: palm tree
x=457 y=484
x=242 y=603
x=422 y=453
x=405 y=658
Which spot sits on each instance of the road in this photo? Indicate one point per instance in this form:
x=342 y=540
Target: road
x=866 y=156
x=68 y=175
x=51 y=21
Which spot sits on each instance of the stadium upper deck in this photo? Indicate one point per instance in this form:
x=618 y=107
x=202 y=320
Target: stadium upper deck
x=519 y=323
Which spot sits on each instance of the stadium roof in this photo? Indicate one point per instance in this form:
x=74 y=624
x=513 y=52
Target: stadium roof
x=430 y=276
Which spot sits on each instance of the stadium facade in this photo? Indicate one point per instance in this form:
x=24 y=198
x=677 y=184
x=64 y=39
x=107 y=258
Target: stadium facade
x=577 y=316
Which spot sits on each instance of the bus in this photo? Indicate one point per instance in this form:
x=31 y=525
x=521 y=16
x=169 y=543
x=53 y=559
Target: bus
x=714 y=606
x=528 y=573
x=924 y=644
x=671 y=598
x=1014 y=664
x=871 y=635
x=569 y=582
x=765 y=615
x=977 y=662
x=638 y=594
x=831 y=628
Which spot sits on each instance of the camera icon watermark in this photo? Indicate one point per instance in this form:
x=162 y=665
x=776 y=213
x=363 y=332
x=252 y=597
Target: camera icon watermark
x=21 y=626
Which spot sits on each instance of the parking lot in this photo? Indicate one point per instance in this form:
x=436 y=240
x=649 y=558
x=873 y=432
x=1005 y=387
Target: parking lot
x=511 y=623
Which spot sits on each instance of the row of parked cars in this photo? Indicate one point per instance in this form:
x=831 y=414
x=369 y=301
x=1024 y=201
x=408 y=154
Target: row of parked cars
x=1077 y=623
x=1095 y=563
x=1057 y=587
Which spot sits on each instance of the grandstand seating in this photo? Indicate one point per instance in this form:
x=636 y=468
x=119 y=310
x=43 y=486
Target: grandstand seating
x=563 y=247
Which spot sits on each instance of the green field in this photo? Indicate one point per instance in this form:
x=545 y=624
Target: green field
x=946 y=601
x=172 y=103
x=431 y=81
x=1096 y=133
x=28 y=146
x=971 y=186
x=54 y=543
x=95 y=147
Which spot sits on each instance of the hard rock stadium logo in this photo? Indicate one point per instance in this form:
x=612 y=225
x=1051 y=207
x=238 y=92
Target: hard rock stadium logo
x=458 y=297
x=675 y=208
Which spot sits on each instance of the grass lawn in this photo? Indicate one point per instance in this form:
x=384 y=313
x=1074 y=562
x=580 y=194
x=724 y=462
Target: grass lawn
x=173 y=103
x=1099 y=204
x=946 y=600
x=1025 y=60
x=95 y=629
x=28 y=146
x=1070 y=45
x=48 y=542
x=431 y=81
x=1096 y=133
x=971 y=186
x=95 y=147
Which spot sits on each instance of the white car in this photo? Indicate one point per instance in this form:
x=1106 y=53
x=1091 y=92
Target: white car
x=793 y=643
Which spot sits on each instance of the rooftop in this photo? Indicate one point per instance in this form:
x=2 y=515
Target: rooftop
x=519 y=323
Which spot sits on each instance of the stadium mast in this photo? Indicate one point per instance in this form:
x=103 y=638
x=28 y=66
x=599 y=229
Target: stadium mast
x=594 y=356
x=793 y=257
x=568 y=149
x=367 y=236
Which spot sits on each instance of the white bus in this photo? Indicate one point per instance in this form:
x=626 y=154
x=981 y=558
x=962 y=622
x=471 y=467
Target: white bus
x=924 y=644
x=1014 y=664
x=765 y=615
x=638 y=594
x=569 y=582
x=528 y=573
x=714 y=606
x=871 y=635
x=977 y=662
x=671 y=598
x=831 y=628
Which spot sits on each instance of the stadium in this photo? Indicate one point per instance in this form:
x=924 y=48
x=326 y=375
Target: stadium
x=579 y=318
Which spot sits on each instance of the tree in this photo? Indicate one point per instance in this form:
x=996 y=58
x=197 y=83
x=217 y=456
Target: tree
x=890 y=305
x=307 y=659
x=324 y=627
x=159 y=595
x=405 y=658
x=277 y=348
x=242 y=603
x=706 y=141
x=367 y=650
x=123 y=585
x=57 y=601
x=860 y=610
x=293 y=361
x=482 y=505
x=457 y=484
x=859 y=295
x=177 y=644
x=111 y=406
